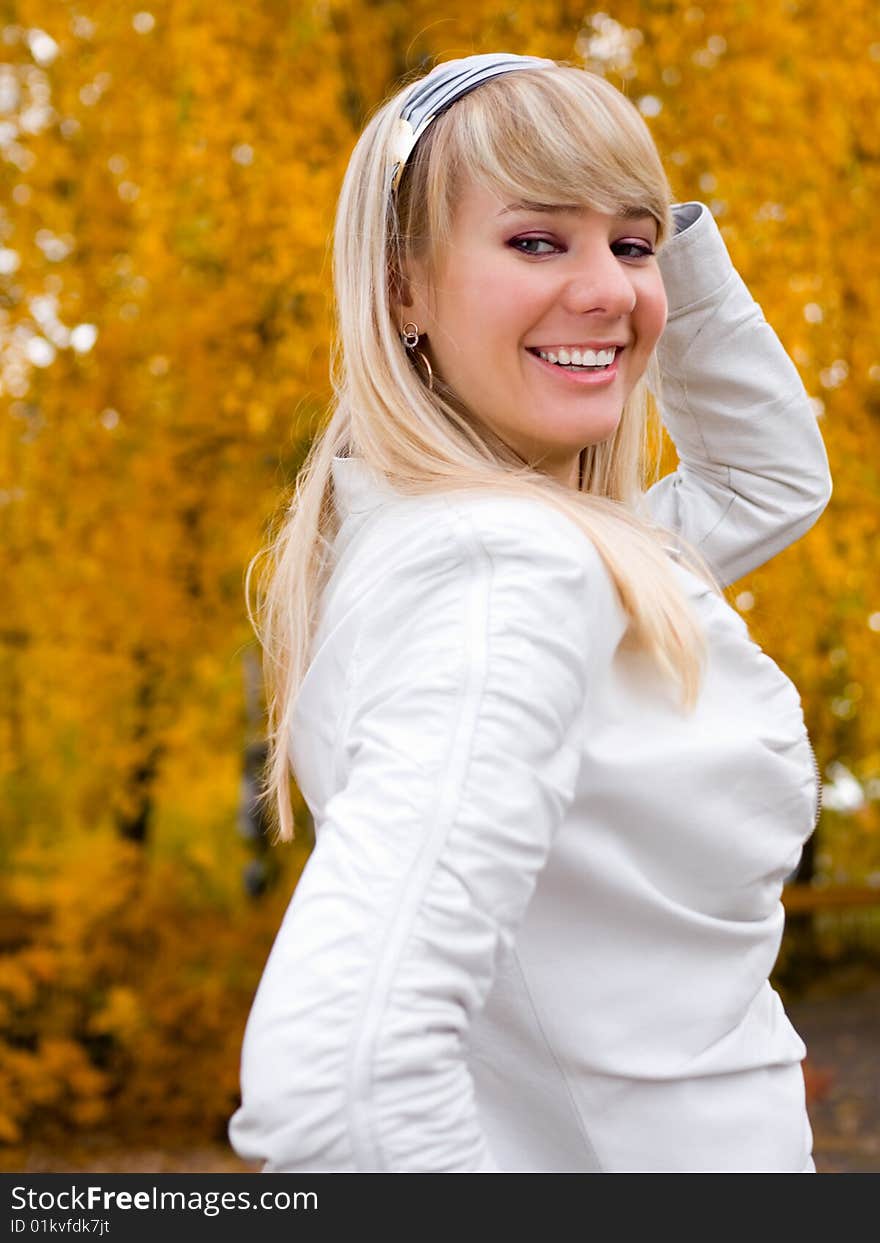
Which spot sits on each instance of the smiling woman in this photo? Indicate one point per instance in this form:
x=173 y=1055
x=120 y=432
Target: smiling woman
x=536 y=929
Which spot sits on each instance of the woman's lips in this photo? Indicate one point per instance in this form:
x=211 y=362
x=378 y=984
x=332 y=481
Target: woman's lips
x=606 y=376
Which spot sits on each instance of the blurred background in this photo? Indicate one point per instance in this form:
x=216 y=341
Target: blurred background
x=168 y=175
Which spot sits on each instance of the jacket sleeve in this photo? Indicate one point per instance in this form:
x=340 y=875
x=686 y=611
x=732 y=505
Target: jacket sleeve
x=462 y=744
x=753 y=473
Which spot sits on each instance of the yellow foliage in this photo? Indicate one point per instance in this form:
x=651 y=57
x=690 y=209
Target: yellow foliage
x=15 y=983
x=172 y=184
x=119 y=1017
x=135 y=1015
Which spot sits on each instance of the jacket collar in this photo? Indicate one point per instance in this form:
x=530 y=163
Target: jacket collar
x=357 y=488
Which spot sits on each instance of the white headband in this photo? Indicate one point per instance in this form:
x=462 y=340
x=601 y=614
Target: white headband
x=441 y=87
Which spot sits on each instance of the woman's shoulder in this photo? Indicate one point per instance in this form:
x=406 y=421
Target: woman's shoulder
x=443 y=581
x=378 y=517
x=520 y=530
x=418 y=552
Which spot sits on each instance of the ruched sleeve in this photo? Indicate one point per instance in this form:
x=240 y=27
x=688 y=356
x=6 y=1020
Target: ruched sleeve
x=753 y=473
x=462 y=743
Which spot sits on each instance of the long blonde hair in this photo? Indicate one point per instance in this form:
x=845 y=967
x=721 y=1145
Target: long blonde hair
x=516 y=134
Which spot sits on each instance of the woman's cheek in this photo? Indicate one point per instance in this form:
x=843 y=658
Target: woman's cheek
x=657 y=310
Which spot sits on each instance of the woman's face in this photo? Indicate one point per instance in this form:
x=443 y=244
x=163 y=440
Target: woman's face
x=517 y=280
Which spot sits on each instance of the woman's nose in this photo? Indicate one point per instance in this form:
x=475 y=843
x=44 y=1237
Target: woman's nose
x=600 y=282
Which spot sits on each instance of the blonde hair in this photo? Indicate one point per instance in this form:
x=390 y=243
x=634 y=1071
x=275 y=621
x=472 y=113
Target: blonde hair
x=515 y=135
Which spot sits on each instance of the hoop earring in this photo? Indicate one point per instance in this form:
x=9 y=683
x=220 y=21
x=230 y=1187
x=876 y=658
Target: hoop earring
x=410 y=340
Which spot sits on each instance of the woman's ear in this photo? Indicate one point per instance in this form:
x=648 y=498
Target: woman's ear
x=407 y=290
x=399 y=290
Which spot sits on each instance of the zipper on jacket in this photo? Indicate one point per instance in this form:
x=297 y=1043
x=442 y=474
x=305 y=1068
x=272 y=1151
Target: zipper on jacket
x=818 y=783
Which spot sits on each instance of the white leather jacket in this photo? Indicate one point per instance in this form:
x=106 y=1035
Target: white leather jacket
x=536 y=928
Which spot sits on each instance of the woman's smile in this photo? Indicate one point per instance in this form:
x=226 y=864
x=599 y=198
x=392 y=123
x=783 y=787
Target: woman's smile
x=576 y=373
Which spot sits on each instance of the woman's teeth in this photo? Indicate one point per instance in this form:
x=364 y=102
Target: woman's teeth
x=579 y=358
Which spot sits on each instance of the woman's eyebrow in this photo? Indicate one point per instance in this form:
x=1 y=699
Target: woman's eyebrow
x=625 y=212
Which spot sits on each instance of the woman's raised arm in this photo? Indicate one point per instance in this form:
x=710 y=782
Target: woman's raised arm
x=753 y=473
x=460 y=750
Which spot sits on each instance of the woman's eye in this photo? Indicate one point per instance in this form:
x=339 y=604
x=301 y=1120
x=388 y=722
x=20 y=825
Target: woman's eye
x=532 y=241
x=640 y=251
